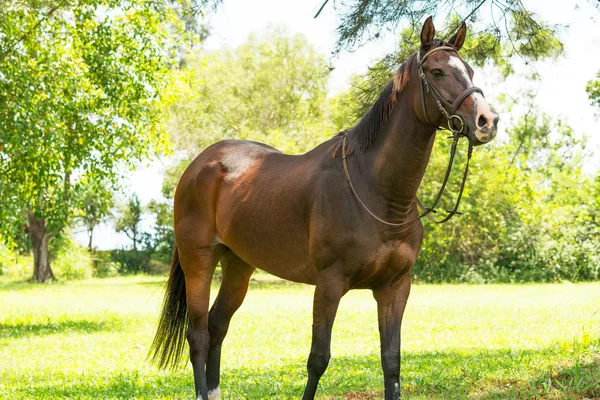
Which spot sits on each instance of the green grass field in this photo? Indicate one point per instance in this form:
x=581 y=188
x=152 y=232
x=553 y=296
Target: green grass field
x=89 y=339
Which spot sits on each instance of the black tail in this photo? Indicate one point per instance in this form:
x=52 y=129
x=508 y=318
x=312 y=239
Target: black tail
x=169 y=340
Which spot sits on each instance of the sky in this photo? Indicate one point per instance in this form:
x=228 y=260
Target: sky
x=561 y=92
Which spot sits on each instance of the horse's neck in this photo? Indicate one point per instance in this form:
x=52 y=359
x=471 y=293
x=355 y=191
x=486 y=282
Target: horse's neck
x=400 y=158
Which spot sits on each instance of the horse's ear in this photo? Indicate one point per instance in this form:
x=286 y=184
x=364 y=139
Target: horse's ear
x=428 y=32
x=459 y=37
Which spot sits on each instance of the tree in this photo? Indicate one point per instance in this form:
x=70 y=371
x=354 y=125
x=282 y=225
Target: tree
x=593 y=90
x=525 y=210
x=508 y=24
x=271 y=88
x=129 y=219
x=79 y=96
x=96 y=201
x=163 y=240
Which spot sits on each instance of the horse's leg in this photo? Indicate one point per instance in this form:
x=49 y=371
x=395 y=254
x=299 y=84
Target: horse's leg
x=236 y=275
x=199 y=266
x=331 y=286
x=391 y=301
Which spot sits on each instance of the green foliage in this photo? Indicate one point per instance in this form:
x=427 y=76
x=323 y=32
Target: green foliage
x=528 y=211
x=77 y=107
x=129 y=218
x=131 y=261
x=103 y=264
x=496 y=25
x=15 y=266
x=80 y=88
x=110 y=263
x=271 y=88
x=593 y=90
x=481 y=49
x=8 y=260
x=95 y=203
x=163 y=239
x=73 y=262
x=517 y=342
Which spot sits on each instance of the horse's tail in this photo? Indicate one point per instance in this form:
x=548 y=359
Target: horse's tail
x=169 y=340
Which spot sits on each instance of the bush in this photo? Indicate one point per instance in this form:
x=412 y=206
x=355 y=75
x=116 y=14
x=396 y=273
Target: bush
x=131 y=261
x=72 y=262
x=103 y=265
x=115 y=262
x=6 y=258
x=14 y=266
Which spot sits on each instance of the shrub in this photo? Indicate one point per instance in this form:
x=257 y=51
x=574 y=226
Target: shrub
x=131 y=261
x=103 y=265
x=14 y=266
x=6 y=257
x=72 y=262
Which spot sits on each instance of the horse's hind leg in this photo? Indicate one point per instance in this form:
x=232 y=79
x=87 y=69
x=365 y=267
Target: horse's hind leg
x=198 y=266
x=236 y=275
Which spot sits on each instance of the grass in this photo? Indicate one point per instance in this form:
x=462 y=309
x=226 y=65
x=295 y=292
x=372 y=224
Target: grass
x=89 y=339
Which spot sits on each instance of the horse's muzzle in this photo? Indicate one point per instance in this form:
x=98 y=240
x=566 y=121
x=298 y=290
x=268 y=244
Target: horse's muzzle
x=486 y=128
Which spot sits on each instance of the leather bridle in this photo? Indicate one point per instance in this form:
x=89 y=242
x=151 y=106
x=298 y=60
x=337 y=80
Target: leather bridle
x=442 y=103
x=449 y=111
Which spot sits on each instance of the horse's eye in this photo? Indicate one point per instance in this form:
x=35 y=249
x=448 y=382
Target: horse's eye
x=438 y=73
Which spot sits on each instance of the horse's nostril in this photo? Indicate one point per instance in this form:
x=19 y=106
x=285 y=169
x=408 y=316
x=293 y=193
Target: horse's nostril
x=481 y=122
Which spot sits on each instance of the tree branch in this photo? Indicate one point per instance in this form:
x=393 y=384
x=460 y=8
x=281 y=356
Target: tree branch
x=473 y=11
x=321 y=9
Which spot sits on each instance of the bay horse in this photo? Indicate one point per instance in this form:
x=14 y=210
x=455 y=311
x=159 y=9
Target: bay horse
x=250 y=206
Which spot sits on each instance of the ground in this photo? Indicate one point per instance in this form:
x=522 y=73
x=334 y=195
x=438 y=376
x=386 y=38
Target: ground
x=89 y=340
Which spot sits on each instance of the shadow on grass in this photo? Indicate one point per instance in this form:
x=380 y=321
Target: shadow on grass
x=122 y=386
x=13 y=330
x=464 y=374
x=582 y=378
x=20 y=285
x=26 y=284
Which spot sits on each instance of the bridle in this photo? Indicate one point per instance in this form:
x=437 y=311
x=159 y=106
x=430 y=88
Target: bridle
x=439 y=99
x=449 y=111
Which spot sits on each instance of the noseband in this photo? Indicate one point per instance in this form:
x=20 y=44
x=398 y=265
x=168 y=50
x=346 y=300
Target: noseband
x=449 y=111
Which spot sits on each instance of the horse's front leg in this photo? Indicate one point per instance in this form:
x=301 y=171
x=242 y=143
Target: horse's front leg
x=331 y=286
x=391 y=301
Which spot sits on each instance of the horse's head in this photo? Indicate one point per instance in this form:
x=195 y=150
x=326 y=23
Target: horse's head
x=447 y=91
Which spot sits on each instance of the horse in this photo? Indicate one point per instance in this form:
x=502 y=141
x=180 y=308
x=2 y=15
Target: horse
x=247 y=205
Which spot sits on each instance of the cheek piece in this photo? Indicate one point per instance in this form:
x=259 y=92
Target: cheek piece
x=454 y=120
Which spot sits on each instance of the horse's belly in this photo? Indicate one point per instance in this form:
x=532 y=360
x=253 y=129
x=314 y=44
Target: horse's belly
x=270 y=234
x=285 y=259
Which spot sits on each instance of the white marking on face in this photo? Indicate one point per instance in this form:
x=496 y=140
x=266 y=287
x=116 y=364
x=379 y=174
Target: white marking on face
x=458 y=64
x=481 y=105
x=215 y=394
x=238 y=159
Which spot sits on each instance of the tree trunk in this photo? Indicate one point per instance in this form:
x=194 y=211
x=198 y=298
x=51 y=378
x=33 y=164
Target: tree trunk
x=91 y=235
x=38 y=232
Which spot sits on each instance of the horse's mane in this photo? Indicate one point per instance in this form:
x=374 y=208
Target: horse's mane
x=362 y=135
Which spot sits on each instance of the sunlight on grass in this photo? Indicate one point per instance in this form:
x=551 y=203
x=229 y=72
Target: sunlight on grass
x=89 y=339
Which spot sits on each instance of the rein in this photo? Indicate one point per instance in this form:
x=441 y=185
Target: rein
x=456 y=133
